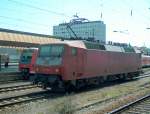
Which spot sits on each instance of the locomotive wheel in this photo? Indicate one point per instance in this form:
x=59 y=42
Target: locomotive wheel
x=101 y=80
x=69 y=88
x=26 y=77
x=34 y=82
x=33 y=79
x=58 y=86
x=25 y=74
x=79 y=84
x=44 y=86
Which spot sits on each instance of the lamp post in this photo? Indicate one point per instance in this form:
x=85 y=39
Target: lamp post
x=125 y=34
x=122 y=31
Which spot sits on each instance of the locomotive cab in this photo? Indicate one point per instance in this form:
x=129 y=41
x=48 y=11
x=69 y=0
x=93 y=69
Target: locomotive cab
x=27 y=60
x=48 y=66
x=53 y=62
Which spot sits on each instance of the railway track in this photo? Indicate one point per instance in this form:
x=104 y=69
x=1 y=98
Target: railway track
x=109 y=99
x=17 y=88
x=123 y=108
x=11 y=81
x=10 y=77
x=140 y=106
x=5 y=102
x=147 y=74
x=10 y=101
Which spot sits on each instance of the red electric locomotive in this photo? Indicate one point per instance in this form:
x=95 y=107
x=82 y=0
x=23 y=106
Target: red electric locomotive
x=27 y=61
x=74 y=64
x=145 y=61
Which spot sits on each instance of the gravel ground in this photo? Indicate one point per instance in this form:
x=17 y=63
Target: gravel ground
x=113 y=93
x=146 y=69
x=106 y=107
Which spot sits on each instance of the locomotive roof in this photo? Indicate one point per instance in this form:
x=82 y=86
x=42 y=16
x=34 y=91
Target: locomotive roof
x=146 y=56
x=98 y=46
x=75 y=43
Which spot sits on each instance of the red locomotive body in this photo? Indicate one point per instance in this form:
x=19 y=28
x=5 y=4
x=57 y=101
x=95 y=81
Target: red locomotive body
x=110 y=63
x=27 y=61
x=80 y=63
x=145 y=61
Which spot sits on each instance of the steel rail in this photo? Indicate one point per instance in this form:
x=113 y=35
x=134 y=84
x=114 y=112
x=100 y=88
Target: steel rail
x=106 y=100
x=19 y=87
x=131 y=104
x=10 y=101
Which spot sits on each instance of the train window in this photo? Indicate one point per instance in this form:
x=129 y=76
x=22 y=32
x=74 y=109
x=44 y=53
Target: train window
x=51 y=50
x=57 y=50
x=26 y=56
x=45 y=50
x=74 y=51
x=29 y=57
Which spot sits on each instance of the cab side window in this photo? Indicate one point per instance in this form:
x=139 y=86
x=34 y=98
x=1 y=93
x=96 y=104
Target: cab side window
x=74 y=51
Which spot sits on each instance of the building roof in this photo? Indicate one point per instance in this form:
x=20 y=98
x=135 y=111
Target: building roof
x=23 y=39
x=24 y=33
x=62 y=24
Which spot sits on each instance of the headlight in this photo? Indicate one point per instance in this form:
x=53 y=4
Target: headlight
x=37 y=69
x=57 y=70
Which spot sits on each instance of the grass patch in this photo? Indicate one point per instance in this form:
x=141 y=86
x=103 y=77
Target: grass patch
x=66 y=106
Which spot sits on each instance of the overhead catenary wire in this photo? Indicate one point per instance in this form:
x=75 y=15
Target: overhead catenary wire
x=38 y=8
x=141 y=14
x=35 y=9
x=133 y=13
x=28 y=26
x=19 y=26
x=22 y=3
x=16 y=11
x=22 y=20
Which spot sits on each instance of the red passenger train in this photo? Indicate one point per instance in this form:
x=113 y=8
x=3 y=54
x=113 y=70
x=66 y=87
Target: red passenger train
x=75 y=64
x=145 y=61
x=27 y=61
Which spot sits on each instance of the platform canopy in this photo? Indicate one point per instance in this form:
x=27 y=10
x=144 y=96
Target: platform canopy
x=24 y=39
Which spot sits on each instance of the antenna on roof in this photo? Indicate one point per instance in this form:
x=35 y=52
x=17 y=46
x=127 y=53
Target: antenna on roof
x=131 y=12
x=76 y=15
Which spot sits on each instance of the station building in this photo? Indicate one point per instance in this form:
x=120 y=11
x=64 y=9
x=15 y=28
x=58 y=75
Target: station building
x=82 y=29
x=12 y=41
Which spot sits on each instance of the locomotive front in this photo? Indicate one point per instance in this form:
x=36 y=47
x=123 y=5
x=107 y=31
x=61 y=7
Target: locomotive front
x=25 y=62
x=48 y=66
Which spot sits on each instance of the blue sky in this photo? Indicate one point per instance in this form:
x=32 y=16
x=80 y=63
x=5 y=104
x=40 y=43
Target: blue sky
x=116 y=14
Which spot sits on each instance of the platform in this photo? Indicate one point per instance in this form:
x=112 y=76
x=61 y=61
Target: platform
x=13 y=67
